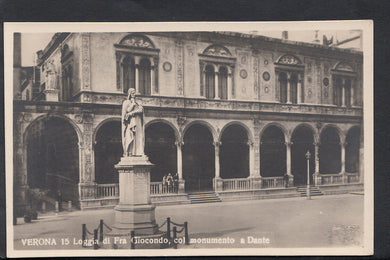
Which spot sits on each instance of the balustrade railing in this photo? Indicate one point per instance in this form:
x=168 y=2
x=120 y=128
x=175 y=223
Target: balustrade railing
x=110 y=190
x=236 y=184
x=353 y=178
x=328 y=179
x=157 y=188
x=272 y=182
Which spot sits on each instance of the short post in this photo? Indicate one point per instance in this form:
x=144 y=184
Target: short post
x=186 y=233
x=57 y=206
x=43 y=206
x=101 y=231
x=308 y=174
x=132 y=235
x=95 y=239
x=168 y=227
x=69 y=205
x=174 y=237
x=83 y=233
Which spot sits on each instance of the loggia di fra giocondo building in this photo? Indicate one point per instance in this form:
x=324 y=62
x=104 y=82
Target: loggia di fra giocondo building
x=230 y=113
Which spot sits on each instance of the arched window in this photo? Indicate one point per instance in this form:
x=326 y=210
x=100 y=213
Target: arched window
x=128 y=74
x=344 y=79
x=347 y=89
x=222 y=82
x=338 y=92
x=137 y=58
x=144 y=77
x=217 y=72
x=290 y=71
x=283 y=87
x=210 y=81
x=27 y=94
x=294 y=88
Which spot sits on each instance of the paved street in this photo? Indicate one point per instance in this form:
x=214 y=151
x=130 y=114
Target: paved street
x=324 y=221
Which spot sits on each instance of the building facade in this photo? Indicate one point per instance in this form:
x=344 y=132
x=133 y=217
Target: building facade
x=228 y=112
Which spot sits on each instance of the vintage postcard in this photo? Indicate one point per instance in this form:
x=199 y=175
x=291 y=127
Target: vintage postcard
x=148 y=139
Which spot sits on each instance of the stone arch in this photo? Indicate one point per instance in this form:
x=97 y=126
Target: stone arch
x=107 y=150
x=282 y=127
x=352 y=149
x=338 y=130
x=273 y=156
x=174 y=128
x=330 y=150
x=198 y=156
x=302 y=140
x=137 y=40
x=52 y=156
x=74 y=125
x=234 y=151
x=160 y=138
x=204 y=123
x=101 y=124
x=248 y=131
x=313 y=130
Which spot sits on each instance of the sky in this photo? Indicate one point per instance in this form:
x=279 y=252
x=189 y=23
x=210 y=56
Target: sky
x=33 y=42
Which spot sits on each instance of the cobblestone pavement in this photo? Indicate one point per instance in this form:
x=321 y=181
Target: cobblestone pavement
x=324 y=221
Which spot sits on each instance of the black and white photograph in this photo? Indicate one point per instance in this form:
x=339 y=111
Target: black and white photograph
x=189 y=138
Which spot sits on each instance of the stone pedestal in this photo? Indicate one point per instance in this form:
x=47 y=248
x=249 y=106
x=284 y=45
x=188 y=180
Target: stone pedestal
x=317 y=179
x=181 y=186
x=134 y=211
x=218 y=182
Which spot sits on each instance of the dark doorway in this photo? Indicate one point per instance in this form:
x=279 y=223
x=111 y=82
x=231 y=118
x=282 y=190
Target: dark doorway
x=108 y=152
x=302 y=141
x=352 y=150
x=234 y=153
x=53 y=158
x=161 y=150
x=272 y=152
x=198 y=159
x=330 y=152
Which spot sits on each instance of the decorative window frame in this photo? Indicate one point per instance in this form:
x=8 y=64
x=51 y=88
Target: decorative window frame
x=144 y=48
x=290 y=64
x=349 y=73
x=217 y=56
x=67 y=65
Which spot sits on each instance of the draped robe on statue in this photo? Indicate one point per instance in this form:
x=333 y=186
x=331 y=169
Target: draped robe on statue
x=132 y=129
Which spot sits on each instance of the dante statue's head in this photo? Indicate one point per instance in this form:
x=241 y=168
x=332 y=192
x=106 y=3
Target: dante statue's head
x=131 y=93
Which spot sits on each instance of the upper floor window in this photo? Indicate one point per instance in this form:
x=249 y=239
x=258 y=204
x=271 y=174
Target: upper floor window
x=137 y=64
x=343 y=76
x=289 y=70
x=67 y=73
x=128 y=73
x=216 y=73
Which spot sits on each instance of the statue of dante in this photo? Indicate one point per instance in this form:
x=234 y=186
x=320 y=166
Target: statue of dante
x=132 y=126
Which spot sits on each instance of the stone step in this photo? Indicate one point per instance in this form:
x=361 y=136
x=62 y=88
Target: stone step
x=203 y=197
x=314 y=191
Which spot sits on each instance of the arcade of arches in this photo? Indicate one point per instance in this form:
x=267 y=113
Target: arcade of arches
x=53 y=154
x=53 y=158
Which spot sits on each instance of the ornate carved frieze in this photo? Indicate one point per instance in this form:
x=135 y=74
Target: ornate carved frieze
x=256 y=76
x=136 y=40
x=179 y=68
x=85 y=61
x=217 y=50
x=289 y=59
